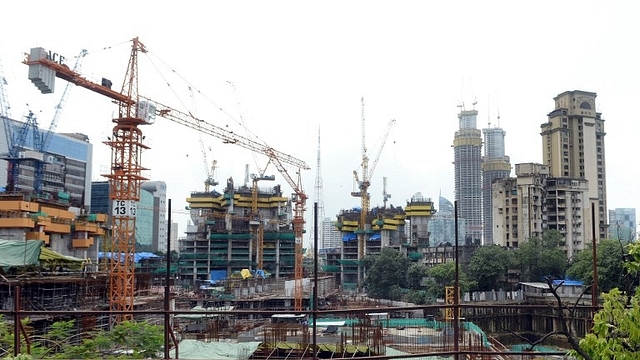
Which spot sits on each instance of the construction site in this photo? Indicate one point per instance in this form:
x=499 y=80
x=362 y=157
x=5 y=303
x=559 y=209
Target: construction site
x=243 y=286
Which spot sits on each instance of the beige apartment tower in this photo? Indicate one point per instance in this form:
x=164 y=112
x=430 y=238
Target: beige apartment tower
x=573 y=147
x=533 y=202
x=519 y=211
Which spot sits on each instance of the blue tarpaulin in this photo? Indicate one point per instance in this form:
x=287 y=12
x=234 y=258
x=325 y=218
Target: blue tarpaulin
x=375 y=237
x=567 y=282
x=137 y=257
x=349 y=237
x=217 y=275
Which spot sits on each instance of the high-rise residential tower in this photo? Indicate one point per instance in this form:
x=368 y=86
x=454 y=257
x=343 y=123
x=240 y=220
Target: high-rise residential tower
x=495 y=166
x=467 y=148
x=520 y=202
x=573 y=147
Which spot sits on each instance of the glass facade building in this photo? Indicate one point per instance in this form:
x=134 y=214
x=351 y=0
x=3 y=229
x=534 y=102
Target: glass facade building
x=622 y=224
x=66 y=163
x=442 y=226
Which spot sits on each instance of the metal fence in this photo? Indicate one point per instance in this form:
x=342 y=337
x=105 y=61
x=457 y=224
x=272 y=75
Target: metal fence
x=377 y=329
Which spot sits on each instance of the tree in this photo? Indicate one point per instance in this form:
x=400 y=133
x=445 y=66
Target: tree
x=385 y=270
x=541 y=257
x=616 y=329
x=415 y=274
x=609 y=260
x=443 y=275
x=488 y=266
x=127 y=340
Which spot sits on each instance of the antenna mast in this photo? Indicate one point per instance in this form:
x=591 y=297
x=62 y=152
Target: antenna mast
x=319 y=199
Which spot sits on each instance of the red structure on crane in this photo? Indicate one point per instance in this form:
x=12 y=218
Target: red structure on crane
x=126 y=168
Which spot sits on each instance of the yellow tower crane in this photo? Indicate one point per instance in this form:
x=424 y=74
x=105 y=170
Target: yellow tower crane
x=363 y=189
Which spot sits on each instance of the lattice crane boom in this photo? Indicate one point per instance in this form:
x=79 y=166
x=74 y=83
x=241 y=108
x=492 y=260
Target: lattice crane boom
x=384 y=140
x=226 y=136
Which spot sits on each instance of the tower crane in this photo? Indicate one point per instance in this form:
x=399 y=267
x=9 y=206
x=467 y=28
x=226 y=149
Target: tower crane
x=126 y=145
x=210 y=172
x=126 y=149
x=17 y=144
x=363 y=188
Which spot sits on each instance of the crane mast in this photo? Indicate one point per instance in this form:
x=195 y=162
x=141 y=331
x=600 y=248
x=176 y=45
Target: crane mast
x=126 y=145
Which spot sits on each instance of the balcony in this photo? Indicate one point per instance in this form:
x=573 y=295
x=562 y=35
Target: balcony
x=82 y=243
x=16 y=223
x=36 y=235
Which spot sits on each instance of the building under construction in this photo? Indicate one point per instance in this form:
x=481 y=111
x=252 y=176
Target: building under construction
x=495 y=165
x=467 y=149
x=384 y=227
x=245 y=227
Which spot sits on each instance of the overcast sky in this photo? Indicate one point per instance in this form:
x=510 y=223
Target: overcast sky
x=278 y=71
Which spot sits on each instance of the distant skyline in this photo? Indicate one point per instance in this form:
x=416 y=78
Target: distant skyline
x=277 y=71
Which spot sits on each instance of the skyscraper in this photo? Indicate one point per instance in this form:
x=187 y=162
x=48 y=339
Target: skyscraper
x=158 y=189
x=573 y=147
x=495 y=166
x=331 y=237
x=442 y=227
x=467 y=148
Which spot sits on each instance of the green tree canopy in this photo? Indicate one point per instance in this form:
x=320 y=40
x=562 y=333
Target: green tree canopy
x=488 y=267
x=385 y=270
x=127 y=340
x=609 y=260
x=443 y=275
x=540 y=257
x=415 y=274
x=616 y=329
